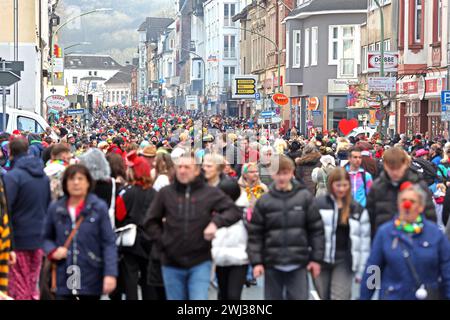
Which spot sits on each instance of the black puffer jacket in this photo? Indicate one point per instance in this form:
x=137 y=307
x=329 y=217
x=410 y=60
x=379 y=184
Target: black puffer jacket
x=285 y=229
x=382 y=199
x=188 y=209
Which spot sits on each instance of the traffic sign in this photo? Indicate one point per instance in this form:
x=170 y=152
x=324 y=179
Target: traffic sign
x=75 y=112
x=244 y=87
x=267 y=114
x=445 y=105
x=382 y=83
x=7 y=91
x=8 y=78
x=257 y=96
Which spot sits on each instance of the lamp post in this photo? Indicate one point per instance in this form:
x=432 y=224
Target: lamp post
x=204 y=71
x=77 y=44
x=377 y=2
x=276 y=48
x=67 y=22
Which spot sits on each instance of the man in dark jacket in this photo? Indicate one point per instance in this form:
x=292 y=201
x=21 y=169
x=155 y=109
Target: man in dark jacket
x=28 y=196
x=192 y=211
x=382 y=198
x=286 y=236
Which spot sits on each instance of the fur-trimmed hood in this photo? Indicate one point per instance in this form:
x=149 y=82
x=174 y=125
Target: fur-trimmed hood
x=310 y=159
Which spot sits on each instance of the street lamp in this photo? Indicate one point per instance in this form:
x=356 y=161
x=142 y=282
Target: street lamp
x=77 y=44
x=276 y=48
x=377 y=2
x=67 y=22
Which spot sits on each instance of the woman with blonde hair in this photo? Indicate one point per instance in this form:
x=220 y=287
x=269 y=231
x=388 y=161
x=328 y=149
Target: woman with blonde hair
x=347 y=238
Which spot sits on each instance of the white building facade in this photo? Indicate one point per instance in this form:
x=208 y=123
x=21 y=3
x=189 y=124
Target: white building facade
x=221 y=51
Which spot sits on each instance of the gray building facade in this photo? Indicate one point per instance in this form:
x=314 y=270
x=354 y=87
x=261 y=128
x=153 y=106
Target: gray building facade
x=323 y=57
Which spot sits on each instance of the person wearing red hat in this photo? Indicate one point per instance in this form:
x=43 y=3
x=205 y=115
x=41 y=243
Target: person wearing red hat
x=137 y=198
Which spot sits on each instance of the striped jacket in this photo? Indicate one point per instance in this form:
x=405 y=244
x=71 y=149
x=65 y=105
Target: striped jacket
x=5 y=240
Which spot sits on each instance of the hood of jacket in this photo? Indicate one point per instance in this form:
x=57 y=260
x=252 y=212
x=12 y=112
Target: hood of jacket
x=98 y=166
x=410 y=176
x=296 y=186
x=30 y=164
x=310 y=159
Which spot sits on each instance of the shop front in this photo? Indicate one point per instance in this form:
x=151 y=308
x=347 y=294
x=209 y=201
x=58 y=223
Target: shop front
x=419 y=106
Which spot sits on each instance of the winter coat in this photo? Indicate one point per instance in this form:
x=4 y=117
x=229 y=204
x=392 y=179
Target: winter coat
x=429 y=253
x=188 y=209
x=320 y=178
x=447 y=230
x=361 y=182
x=137 y=201
x=28 y=196
x=283 y=228
x=359 y=232
x=229 y=247
x=382 y=199
x=93 y=248
x=304 y=167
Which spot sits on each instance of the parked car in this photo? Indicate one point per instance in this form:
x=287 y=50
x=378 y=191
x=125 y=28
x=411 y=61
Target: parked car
x=22 y=120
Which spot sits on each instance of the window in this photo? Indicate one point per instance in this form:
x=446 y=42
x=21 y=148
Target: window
x=229 y=46
x=364 y=59
x=387 y=45
x=90 y=73
x=307 y=47
x=418 y=21
x=348 y=58
x=27 y=124
x=229 y=73
x=94 y=85
x=378 y=46
x=334 y=45
x=372 y=47
x=314 y=46
x=95 y=73
x=297 y=49
x=287 y=49
x=229 y=10
x=74 y=80
x=437 y=21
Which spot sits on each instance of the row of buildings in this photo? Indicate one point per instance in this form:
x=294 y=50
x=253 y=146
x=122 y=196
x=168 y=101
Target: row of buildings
x=27 y=30
x=314 y=51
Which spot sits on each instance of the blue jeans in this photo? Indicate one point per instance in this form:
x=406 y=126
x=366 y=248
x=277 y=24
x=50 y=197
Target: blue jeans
x=187 y=284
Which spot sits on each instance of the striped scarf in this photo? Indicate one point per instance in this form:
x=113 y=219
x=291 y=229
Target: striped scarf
x=5 y=241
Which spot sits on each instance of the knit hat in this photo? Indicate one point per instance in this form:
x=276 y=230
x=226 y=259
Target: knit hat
x=421 y=152
x=140 y=167
x=96 y=162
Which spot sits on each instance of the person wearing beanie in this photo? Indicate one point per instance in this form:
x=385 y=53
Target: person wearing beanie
x=35 y=145
x=133 y=269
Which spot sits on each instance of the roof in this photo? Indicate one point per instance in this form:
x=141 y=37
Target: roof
x=327 y=5
x=90 y=61
x=120 y=78
x=155 y=26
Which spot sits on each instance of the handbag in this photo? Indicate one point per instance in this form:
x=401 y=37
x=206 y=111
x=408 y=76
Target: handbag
x=423 y=292
x=126 y=236
x=47 y=278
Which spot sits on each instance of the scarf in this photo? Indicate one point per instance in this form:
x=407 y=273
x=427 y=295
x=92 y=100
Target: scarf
x=411 y=228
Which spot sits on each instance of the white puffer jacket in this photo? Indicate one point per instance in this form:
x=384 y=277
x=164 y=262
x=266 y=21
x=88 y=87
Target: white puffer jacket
x=359 y=224
x=229 y=247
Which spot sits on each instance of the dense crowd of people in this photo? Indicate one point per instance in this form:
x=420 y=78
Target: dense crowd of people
x=154 y=203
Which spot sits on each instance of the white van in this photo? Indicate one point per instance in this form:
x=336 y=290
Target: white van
x=22 y=120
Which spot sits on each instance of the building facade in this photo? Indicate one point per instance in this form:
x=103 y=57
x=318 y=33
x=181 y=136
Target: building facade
x=221 y=54
x=33 y=49
x=323 y=56
x=423 y=47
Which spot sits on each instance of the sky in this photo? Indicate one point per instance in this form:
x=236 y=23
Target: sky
x=115 y=32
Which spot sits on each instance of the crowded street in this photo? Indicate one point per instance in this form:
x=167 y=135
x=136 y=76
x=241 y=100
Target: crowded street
x=180 y=156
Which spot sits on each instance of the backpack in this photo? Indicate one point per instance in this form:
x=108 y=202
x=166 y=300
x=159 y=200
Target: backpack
x=426 y=170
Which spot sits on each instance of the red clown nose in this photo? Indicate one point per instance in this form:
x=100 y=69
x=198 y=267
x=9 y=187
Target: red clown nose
x=407 y=204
